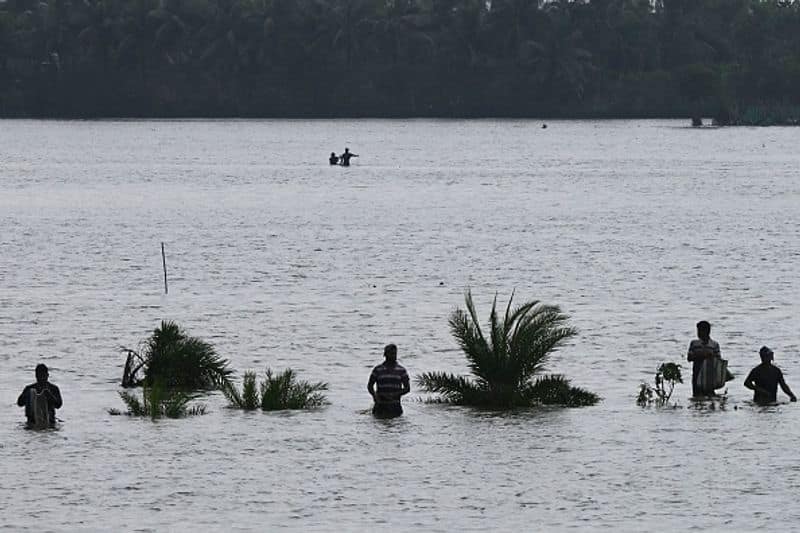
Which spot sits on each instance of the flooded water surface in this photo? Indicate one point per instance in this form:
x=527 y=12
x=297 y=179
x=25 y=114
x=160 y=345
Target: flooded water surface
x=637 y=229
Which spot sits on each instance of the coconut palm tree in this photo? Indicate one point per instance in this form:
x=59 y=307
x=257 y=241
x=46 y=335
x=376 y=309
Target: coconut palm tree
x=177 y=360
x=505 y=364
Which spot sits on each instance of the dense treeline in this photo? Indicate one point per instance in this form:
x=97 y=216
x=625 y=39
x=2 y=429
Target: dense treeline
x=399 y=57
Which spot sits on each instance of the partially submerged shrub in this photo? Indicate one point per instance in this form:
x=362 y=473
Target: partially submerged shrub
x=505 y=363
x=276 y=392
x=173 y=358
x=248 y=399
x=667 y=375
x=159 y=402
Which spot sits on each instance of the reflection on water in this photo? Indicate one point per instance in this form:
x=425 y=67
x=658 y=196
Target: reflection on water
x=637 y=229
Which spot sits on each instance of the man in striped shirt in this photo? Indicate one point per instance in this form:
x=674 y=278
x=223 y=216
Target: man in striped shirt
x=387 y=383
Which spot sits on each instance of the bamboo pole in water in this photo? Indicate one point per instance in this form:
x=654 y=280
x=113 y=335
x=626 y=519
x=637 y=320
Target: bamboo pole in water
x=164 y=261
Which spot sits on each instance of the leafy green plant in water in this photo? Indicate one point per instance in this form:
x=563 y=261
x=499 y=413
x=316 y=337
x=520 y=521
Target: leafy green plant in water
x=248 y=399
x=172 y=357
x=285 y=391
x=667 y=375
x=276 y=392
x=159 y=402
x=505 y=363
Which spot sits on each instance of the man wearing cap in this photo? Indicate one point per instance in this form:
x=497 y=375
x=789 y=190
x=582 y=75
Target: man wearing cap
x=765 y=378
x=387 y=383
x=44 y=391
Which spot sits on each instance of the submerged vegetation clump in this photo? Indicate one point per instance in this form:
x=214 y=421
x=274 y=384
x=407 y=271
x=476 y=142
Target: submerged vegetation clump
x=176 y=360
x=276 y=392
x=507 y=364
x=159 y=402
x=667 y=376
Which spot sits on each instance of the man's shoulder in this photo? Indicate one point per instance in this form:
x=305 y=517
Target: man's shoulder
x=383 y=367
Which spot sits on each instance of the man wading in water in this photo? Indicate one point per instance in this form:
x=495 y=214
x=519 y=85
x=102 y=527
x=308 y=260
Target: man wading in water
x=700 y=349
x=391 y=380
x=344 y=159
x=765 y=378
x=40 y=400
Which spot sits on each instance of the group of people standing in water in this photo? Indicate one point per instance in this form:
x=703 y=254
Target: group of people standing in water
x=763 y=380
x=389 y=382
x=343 y=160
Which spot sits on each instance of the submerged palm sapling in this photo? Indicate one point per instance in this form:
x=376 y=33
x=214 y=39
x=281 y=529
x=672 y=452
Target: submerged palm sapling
x=177 y=360
x=507 y=365
x=159 y=401
x=276 y=392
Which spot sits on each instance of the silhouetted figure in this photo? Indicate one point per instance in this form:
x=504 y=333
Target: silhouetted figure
x=697 y=122
x=765 y=378
x=40 y=400
x=700 y=349
x=345 y=157
x=387 y=384
x=333 y=159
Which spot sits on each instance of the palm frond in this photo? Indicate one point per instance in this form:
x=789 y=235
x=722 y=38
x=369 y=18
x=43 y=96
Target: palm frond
x=178 y=360
x=134 y=405
x=450 y=388
x=284 y=391
x=158 y=402
x=248 y=399
x=557 y=390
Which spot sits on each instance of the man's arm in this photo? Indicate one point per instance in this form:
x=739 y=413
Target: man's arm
x=55 y=396
x=785 y=388
x=691 y=354
x=371 y=386
x=23 y=398
x=406 y=384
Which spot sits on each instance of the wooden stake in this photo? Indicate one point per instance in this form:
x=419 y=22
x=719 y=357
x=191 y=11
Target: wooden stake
x=164 y=261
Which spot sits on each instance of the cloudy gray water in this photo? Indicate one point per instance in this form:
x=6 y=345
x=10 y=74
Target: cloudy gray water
x=637 y=229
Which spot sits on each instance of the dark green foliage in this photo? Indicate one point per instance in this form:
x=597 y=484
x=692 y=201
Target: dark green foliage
x=159 y=402
x=285 y=391
x=556 y=390
x=401 y=58
x=276 y=392
x=173 y=358
x=667 y=375
x=248 y=399
x=505 y=363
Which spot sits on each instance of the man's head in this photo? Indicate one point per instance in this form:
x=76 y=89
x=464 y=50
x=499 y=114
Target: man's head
x=390 y=353
x=766 y=354
x=41 y=373
x=703 y=330
x=347 y=150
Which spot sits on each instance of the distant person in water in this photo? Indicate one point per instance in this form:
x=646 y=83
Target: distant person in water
x=40 y=400
x=765 y=378
x=387 y=384
x=333 y=159
x=700 y=349
x=345 y=157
